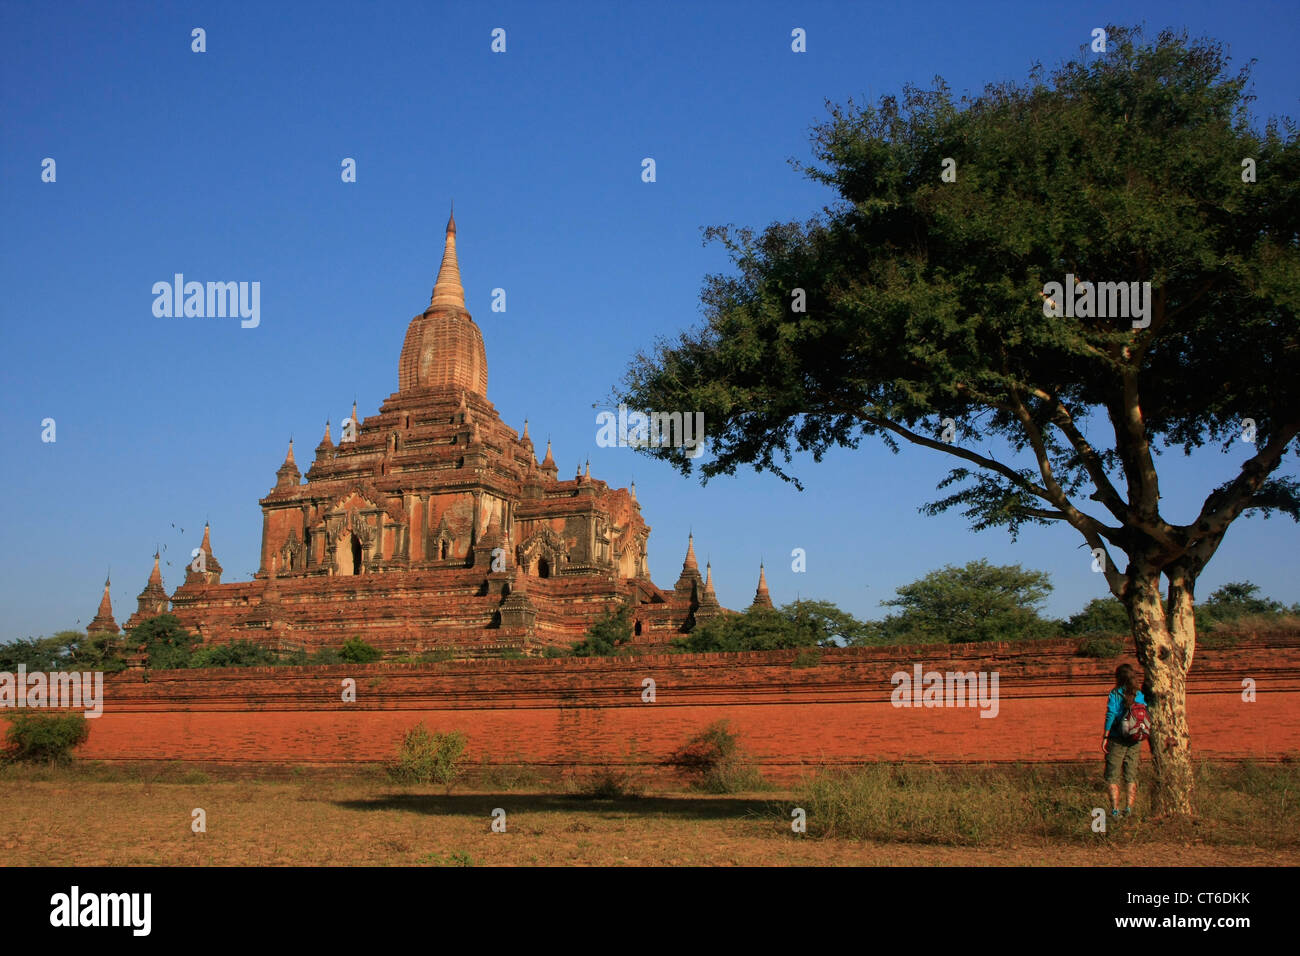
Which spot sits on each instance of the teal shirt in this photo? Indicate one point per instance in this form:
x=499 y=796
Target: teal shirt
x=1115 y=707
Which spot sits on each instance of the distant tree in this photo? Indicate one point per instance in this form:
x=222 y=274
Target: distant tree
x=234 y=654
x=797 y=624
x=756 y=629
x=357 y=651
x=976 y=602
x=936 y=310
x=1234 y=600
x=35 y=653
x=608 y=636
x=1100 y=616
x=65 y=651
x=824 y=624
x=166 y=642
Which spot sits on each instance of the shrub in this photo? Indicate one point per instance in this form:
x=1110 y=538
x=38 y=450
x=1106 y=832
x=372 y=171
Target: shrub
x=235 y=654
x=167 y=643
x=47 y=737
x=610 y=636
x=1098 y=645
x=427 y=757
x=807 y=657
x=357 y=651
x=715 y=762
x=608 y=783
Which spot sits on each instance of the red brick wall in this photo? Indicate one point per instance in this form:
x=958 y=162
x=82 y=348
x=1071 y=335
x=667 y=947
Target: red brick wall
x=589 y=712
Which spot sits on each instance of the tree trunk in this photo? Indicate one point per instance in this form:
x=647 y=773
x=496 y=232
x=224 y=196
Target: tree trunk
x=1165 y=644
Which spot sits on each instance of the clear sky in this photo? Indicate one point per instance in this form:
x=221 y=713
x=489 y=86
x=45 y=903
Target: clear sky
x=225 y=166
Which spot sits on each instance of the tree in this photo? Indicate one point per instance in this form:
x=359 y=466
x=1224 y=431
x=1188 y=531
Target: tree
x=976 y=602
x=357 y=651
x=922 y=310
x=64 y=651
x=1234 y=600
x=1102 y=615
x=797 y=624
x=609 y=636
x=166 y=642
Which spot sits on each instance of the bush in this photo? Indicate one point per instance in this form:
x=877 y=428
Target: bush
x=1098 y=645
x=427 y=757
x=610 y=636
x=608 y=783
x=47 y=737
x=167 y=643
x=807 y=657
x=235 y=654
x=357 y=651
x=715 y=762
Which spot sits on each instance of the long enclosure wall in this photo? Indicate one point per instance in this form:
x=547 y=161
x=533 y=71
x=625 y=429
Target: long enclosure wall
x=793 y=710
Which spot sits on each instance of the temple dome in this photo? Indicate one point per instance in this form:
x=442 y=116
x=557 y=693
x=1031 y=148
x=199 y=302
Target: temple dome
x=443 y=346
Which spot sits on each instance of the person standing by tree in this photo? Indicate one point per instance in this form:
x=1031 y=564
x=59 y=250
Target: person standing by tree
x=1121 y=740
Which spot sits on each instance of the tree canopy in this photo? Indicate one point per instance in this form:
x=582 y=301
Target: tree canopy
x=925 y=306
x=976 y=602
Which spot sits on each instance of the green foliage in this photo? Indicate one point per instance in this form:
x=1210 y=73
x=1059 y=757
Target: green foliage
x=235 y=654
x=427 y=757
x=64 y=651
x=798 y=624
x=807 y=657
x=1233 y=601
x=1099 y=645
x=608 y=783
x=976 y=602
x=357 y=651
x=610 y=636
x=45 y=737
x=1103 y=615
x=166 y=642
x=716 y=763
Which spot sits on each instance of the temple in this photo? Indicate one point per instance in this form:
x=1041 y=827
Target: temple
x=433 y=525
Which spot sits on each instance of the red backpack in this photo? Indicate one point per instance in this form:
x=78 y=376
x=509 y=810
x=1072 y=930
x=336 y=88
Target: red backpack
x=1135 y=725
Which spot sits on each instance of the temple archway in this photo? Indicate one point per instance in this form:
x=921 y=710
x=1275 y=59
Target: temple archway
x=348 y=555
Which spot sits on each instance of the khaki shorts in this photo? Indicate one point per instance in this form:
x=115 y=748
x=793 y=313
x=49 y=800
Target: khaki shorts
x=1121 y=755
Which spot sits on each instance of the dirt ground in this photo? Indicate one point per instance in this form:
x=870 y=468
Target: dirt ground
x=346 y=823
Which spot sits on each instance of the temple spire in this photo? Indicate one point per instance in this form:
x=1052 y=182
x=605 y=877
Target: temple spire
x=288 y=475
x=761 y=596
x=447 y=290
x=690 y=564
x=155 y=576
x=103 y=621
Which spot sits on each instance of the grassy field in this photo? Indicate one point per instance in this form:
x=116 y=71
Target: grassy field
x=879 y=815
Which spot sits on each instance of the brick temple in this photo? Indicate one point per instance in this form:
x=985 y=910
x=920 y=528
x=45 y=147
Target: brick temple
x=432 y=525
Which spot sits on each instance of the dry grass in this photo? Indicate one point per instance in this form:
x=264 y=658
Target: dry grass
x=94 y=815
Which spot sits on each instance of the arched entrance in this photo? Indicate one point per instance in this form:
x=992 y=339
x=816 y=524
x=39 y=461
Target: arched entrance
x=347 y=555
x=543 y=568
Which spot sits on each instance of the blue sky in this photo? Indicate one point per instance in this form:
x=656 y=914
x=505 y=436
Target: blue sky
x=225 y=165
